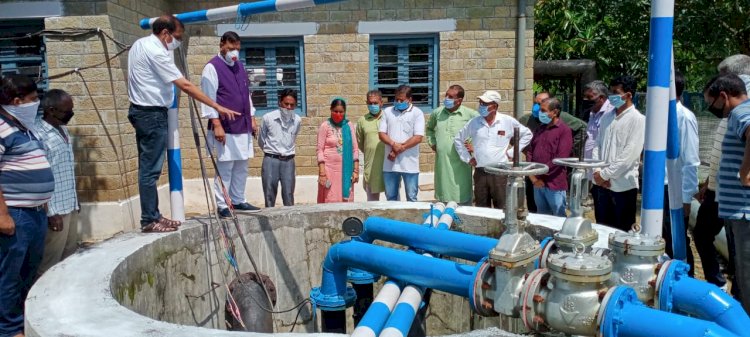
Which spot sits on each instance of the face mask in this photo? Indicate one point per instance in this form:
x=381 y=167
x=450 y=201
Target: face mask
x=535 y=110
x=449 y=103
x=337 y=118
x=716 y=111
x=484 y=110
x=174 y=44
x=65 y=119
x=24 y=113
x=401 y=106
x=544 y=118
x=286 y=114
x=374 y=109
x=616 y=101
x=587 y=105
x=232 y=56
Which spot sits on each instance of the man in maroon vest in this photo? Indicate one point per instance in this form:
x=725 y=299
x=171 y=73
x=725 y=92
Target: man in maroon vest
x=231 y=141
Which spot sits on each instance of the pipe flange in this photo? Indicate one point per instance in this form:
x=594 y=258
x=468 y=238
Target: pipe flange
x=669 y=272
x=578 y=163
x=580 y=267
x=530 y=296
x=636 y=244
x=359 y=276
x=479 y=300
x=608 y=317
x=333 y=302
x=523 y=169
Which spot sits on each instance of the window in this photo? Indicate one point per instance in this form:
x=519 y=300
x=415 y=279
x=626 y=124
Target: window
x=23 y=55
x=412 y=61
x=273 y=66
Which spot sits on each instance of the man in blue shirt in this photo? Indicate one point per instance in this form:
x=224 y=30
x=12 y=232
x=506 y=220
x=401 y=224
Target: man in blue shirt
x=726 y=96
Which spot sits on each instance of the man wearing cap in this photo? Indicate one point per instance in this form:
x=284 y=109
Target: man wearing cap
x=491 y=134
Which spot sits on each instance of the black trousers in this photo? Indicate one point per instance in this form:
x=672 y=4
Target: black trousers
x=615 y=209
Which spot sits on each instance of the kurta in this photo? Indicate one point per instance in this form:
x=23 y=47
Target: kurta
x=374 y=150
x=453 y=181
x=328 y=153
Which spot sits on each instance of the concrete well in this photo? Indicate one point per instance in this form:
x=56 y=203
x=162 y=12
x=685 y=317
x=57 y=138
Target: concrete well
x=159 y=284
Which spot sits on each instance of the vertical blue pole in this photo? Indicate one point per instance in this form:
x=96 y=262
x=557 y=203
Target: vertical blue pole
x=657 y=108
x=674 y=175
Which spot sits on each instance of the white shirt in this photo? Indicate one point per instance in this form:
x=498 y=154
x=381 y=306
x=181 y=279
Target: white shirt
x=151 y=71
x=620 y=144
x=277 y=136
x=689 y=158
x=713 y=163
x=238 y=146
x=490 y=142
x=400 y=126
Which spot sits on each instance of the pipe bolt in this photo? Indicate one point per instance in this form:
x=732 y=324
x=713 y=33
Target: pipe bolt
x=488 y=304
x=538 y=299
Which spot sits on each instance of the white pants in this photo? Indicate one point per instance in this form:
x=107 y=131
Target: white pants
x=234 y=175
x=59 y=245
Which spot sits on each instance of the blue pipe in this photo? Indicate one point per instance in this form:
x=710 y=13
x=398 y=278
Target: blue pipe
x=681 y=293
x=451 y=277
x=450 y=243
x=625 y=316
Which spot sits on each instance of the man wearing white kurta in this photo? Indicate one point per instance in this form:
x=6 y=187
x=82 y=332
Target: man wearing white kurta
x=224 y=79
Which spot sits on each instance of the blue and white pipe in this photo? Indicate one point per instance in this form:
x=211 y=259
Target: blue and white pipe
x=243 y=9
x=449 y=214
x=333 y=294
x=433 y=217
x=174 y=161
x=657 y=108
x=450 y=243
x=377 y=314
x=625 y=316
x=400 y=321
x=677 y=292
x=674 y=175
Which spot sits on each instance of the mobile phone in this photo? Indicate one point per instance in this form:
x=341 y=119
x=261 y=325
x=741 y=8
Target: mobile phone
x=328 y=184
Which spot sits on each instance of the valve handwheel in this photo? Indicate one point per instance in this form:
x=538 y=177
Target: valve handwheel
x=523 y=169
x=579 y=163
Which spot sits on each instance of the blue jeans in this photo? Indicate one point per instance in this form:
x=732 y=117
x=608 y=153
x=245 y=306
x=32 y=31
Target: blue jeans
x=393 y=184
x=20 y=257
x=150 y=125
x=549 y=201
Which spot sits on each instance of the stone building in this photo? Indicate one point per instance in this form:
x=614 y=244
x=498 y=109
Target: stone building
x=340 y=49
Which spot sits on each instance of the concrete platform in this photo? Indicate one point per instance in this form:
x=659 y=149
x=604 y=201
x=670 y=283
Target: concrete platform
x=166 y=284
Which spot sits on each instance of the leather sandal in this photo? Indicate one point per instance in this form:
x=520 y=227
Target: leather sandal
x=157 y=227
x=169 y=222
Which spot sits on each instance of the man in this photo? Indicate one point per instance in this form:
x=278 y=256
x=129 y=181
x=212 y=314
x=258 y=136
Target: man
x=619 y=144
x=225 y=80
x=553 y=140
x=708 y=223
x=596 y=104
x=401 y=129
x=688 y=161
x=452 y=176
x=151 y=75
x=61 y=235
x=369 y=142
x=491 y=134
x=277 y=137
x=726 y=96
x=26 y=184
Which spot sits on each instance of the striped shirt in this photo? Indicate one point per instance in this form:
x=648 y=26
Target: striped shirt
x=734 y=199
x=60 y=155
x=713 y=163
x=25 y=175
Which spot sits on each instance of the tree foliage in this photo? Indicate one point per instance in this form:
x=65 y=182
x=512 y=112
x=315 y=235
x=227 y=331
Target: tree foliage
x=615 y=34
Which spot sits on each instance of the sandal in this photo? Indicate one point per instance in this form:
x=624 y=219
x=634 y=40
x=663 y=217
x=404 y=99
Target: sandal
x=168 y=222
x=157 y=227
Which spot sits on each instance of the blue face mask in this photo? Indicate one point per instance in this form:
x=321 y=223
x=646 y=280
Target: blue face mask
x=449 y=103
x=484 y=110
x=535 y=110
x=401 y=106
x=616 y=101
x=544 y=118
x=374 y=109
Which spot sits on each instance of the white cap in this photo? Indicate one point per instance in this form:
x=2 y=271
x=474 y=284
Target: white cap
x=490 y=96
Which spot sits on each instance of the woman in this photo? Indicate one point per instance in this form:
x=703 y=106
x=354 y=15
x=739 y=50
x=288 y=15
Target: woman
x=338 y=160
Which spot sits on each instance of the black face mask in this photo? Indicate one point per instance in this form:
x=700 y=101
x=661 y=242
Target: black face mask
x=587 y=105
x=718 y=112
x=66 y=118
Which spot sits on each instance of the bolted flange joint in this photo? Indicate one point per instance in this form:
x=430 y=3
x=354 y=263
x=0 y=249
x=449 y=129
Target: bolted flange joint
x=332 y=302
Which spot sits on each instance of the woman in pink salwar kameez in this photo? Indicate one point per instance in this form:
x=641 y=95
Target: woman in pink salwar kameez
x=338 y=156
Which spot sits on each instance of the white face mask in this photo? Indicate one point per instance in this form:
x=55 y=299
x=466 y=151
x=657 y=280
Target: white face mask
x=24 y=113
x=174 y=44
x=286 y=114
x=232 y=56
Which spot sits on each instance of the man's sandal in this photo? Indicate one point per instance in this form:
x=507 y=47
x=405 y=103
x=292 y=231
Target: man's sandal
x=168 y=222
x=157 y=227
